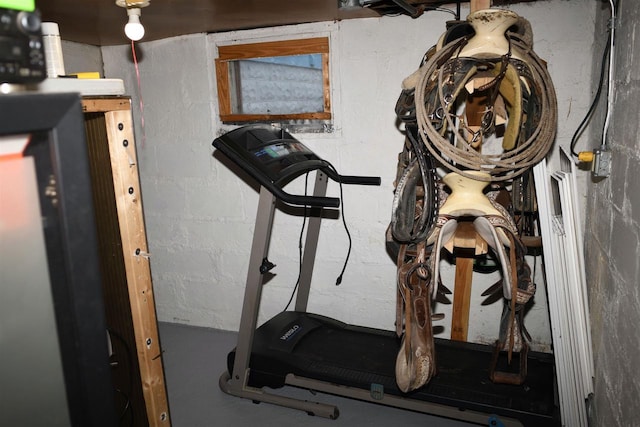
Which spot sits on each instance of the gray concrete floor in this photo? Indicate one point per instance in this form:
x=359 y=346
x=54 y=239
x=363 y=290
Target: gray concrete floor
x=194 y=358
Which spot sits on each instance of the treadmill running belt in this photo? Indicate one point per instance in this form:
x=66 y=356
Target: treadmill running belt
x=321 y=348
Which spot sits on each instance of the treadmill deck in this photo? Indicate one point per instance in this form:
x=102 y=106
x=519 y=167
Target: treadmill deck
x=320 y=348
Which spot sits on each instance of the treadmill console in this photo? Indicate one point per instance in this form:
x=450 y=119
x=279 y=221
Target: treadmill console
x=268 y=153
x=274 y=158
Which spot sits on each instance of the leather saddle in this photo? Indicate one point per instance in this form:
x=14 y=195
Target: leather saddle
x=499 y=90
x=419 y=282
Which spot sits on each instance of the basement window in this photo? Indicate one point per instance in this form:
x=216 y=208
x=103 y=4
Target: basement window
x=285 y=82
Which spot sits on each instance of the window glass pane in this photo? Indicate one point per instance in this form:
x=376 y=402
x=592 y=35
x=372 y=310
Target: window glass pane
x=277 y=85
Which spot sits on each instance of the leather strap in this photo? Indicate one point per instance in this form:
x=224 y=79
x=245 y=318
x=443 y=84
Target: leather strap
x=413 y=215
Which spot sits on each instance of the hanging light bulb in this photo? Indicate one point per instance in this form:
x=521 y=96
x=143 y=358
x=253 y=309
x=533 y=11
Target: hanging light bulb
x=133 y=29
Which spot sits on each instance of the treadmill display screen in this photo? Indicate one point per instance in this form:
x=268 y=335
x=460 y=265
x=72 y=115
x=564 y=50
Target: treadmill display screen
x=281 y=149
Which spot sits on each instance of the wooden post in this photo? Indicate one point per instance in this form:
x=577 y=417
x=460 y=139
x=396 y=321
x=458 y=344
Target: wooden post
x=465 y=239
x=462 y=299
x=465 y=246
x=126 y=268
x=476 y=5
x=126 y=187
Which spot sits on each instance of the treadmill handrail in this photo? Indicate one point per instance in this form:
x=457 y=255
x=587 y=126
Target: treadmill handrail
x=297 y=200
x=296 y=170
x=314 y=201
x=351 y=179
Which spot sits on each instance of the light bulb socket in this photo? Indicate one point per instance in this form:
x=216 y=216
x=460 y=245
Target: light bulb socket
x=132 y=3
x=134 y=12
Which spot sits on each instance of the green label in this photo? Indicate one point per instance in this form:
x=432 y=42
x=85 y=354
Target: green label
x=28 y=5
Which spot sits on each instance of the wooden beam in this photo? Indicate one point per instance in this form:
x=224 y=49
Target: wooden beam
x=126 y=186
x=464 y=265
x=465 y=247
x=461 y=299
x=105 y=104
x=476 y=5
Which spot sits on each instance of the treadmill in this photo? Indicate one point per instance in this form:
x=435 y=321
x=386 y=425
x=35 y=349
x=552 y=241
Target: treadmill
x=315 y=352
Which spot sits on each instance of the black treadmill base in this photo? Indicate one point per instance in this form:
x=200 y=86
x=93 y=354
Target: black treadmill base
x=324 y=349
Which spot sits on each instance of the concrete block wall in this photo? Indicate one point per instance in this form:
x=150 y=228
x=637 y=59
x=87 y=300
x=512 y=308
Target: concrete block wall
x=200 y=214
x=612 y=232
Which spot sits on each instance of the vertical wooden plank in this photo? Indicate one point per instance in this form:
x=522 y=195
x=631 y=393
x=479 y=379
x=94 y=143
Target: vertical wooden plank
x=130 y=403
x=136 y=259
x=326 y=79
x=466 y=245
x=464 y=265
x=461 y=299
x=224 y=92
x=479 y=4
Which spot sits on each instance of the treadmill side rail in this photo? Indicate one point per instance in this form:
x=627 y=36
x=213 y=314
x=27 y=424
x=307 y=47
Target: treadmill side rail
x=424 y=407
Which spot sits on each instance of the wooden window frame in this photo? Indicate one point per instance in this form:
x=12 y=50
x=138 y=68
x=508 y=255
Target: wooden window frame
x=317 y=45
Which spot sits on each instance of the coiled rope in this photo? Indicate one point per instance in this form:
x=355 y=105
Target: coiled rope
x=499 y=167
